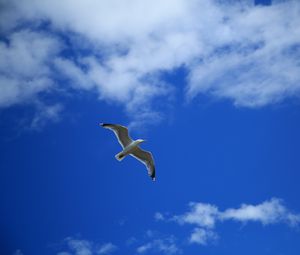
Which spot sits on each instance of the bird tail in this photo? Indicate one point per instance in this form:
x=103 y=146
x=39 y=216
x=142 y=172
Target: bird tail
x=120 y=156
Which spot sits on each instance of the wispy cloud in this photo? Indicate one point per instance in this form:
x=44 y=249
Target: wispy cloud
x=85 y=247
x=80 y=247
x=230 y=49
x=152 y=242
x=18 y=252
x=204 y=217
x=107 y=248
x=45 y=113
x=159 y=216
x=202 y=236
x=164 y=246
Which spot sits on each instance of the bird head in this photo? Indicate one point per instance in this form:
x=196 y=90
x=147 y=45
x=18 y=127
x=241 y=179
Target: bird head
x=141 y=140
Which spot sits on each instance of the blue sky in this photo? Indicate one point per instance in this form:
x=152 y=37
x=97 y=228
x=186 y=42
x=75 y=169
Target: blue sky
x=213 y=86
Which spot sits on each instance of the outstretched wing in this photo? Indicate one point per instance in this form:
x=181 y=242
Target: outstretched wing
x=146 y=158
x=121 y=133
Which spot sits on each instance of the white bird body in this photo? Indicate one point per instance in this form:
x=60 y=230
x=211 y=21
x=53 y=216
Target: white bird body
x=131 y=147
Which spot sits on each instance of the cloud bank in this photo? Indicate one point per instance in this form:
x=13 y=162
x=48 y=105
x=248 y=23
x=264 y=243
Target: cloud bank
x=121 y=50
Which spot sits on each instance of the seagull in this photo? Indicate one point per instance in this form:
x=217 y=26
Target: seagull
x=131 y=147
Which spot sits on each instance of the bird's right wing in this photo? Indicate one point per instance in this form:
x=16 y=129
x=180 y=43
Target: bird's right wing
x=147 y=159
x=121 y=133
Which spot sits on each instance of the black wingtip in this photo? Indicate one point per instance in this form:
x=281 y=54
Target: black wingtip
x=104 y=124
x=152 y=176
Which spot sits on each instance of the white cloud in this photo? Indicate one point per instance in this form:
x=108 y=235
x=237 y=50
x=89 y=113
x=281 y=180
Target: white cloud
x=255 y=61
x=25 y=74
x=24 y=66
x=205 y=216
x=230 y=49
x=107 y=248
x=268 y=212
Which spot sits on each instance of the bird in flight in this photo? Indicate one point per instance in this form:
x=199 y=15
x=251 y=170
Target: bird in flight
x=131 y=147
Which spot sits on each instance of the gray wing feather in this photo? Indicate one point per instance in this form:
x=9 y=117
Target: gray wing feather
x=147 y=159
x=121 y=133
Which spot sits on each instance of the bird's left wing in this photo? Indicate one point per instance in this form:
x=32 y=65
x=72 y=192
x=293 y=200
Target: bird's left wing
x=146 y=158
x=121 y=133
